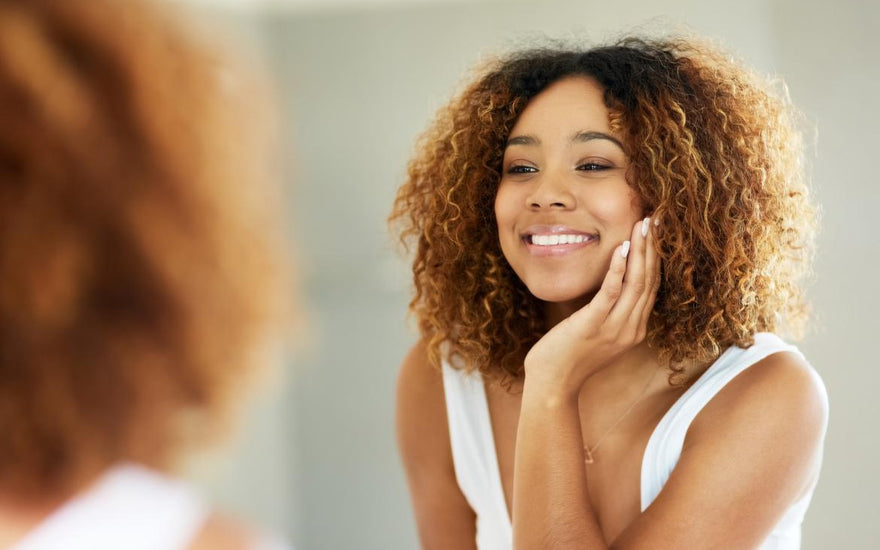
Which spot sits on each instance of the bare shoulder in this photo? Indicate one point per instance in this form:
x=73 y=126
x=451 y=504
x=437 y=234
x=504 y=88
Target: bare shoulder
x=221 y=532
x=781 y=391
x=422 y=430
x=766 y=425
x=418 y=378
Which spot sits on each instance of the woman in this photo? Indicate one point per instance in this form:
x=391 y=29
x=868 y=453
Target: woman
x=607 y=241
x=139 y=281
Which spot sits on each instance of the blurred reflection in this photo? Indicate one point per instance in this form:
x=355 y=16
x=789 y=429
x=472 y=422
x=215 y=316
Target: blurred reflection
x=141 y=275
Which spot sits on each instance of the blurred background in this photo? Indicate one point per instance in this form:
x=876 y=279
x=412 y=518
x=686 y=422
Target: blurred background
x=359 y=80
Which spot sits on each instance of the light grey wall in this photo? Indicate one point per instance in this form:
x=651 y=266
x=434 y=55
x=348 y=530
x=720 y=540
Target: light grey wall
x=360 y=86
x=829 y=56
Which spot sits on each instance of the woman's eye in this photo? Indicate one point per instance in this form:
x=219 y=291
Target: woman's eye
x=592 y=167
x=521 y=169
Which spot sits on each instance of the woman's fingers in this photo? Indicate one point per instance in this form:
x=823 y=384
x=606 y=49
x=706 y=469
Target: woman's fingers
x=635 y=281
x=626 y=298
x=611 y=288
x=645 y=305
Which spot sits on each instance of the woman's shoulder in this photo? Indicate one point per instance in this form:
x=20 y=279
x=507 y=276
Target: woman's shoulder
x=418 y=378
x=781 y=390
x=756 y=445
x=421 y=407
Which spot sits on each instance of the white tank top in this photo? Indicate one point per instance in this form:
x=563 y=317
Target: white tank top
x=476 y=461
x=129 y=507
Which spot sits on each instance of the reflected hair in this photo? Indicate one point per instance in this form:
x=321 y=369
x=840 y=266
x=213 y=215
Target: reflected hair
x=138 y=274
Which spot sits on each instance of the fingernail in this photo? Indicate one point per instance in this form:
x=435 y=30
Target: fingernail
x=624 y=249
x=657 y=222
x=645 y=224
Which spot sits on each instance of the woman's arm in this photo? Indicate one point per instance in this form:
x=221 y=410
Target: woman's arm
x=444 y=518
x=551 y=506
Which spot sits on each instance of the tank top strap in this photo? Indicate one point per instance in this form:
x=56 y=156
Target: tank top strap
x=129 y=507
x=474 y=456
x=666 y=442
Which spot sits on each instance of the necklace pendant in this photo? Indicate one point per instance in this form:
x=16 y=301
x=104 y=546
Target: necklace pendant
x=588 y=456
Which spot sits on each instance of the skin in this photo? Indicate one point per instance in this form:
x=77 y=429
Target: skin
x=748 y=455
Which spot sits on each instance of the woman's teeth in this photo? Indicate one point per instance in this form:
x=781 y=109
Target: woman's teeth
x=551 y=240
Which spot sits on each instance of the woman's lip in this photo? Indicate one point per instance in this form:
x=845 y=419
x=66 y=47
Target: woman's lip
x=553 y=230
x=544 y=250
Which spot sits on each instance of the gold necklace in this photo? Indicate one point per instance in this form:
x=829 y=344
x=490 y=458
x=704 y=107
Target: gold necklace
x=588 y=451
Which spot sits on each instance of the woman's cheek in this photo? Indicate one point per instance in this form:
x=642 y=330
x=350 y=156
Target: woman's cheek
x=617 y=211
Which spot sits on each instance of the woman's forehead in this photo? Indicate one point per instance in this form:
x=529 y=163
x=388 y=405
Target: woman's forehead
x=566 y=108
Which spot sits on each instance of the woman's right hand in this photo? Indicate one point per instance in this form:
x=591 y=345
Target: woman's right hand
x=613 y=322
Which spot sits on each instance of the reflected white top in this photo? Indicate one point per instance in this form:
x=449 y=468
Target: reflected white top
x=476 y=461
x=129 y=507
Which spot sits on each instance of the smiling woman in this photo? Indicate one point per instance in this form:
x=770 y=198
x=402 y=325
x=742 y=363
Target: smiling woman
x=585 y=220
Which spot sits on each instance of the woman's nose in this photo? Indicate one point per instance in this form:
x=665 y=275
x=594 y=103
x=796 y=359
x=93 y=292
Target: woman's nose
x=550 y=192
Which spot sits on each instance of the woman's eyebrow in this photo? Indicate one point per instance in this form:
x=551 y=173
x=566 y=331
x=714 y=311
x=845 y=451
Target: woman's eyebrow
x=579 y=137
x=523 y=140
x=582 y=137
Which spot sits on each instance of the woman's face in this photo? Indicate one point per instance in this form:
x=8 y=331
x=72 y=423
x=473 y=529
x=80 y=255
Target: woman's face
x=563 y=204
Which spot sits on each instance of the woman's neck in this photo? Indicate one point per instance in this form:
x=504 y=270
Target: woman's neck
x=556 y=312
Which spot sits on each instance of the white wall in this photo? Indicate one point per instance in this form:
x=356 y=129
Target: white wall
x=829 y=55
x=362 y=83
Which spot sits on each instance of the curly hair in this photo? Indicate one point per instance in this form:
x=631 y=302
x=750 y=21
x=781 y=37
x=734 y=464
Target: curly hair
x=715 y=152
x=138 y=274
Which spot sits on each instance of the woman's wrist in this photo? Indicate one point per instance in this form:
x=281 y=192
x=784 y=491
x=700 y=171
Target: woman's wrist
x=550 y=391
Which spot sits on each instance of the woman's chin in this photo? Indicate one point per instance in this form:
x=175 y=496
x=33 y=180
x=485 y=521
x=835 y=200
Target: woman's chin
x=556 y=295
